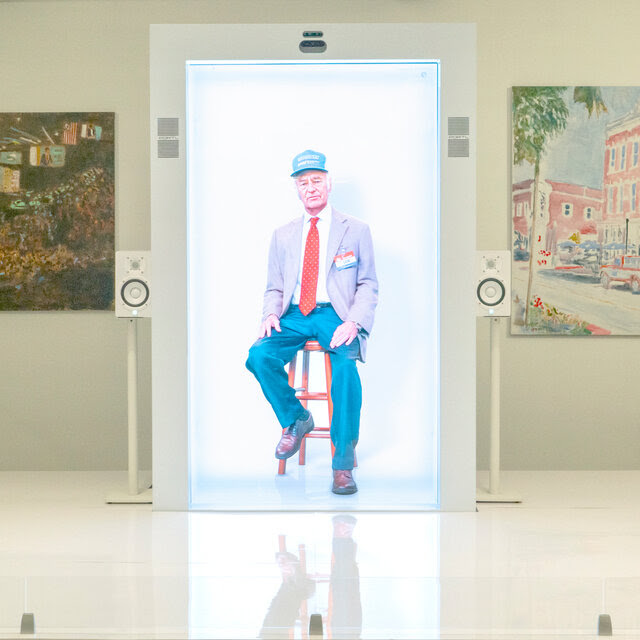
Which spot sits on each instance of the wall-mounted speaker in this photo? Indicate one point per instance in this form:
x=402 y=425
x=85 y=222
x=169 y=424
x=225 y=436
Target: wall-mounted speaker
x=133 y=284
x=493 y=283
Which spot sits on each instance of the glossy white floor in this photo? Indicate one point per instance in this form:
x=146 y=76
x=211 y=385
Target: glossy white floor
x=546 y=568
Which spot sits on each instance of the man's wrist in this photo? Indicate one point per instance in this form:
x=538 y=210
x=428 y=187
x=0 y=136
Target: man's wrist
x=359 y=327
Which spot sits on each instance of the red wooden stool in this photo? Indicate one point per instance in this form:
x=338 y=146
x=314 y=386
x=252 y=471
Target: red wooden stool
x=304 y=395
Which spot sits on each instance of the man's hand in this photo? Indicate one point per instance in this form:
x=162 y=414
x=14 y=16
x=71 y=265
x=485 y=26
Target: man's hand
x=270 y=322
x=345 y=334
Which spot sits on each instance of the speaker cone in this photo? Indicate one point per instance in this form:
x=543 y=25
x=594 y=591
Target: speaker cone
x=491 y=292
x=134 y=292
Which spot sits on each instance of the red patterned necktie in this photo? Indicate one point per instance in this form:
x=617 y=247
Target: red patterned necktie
x=309 y=282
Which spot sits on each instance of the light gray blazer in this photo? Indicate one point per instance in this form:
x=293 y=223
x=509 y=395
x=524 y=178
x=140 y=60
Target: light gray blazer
x=353 y=292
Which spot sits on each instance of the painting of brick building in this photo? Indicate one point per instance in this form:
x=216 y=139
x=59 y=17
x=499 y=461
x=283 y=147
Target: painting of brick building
x=576 y=211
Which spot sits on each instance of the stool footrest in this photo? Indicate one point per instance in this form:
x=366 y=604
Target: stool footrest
x=311 y=395
x=319 y=432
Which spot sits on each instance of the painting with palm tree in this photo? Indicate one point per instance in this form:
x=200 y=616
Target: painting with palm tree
x=576 y=210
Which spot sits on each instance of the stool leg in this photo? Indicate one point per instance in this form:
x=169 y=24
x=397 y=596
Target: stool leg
x=327 y=375
x=302 y=454
x=292 y=371
x=305 y=375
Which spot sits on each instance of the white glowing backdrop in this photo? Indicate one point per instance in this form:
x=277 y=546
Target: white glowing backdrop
x=377 y=123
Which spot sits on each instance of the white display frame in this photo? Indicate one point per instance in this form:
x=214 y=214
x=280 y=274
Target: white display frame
x=454 y=45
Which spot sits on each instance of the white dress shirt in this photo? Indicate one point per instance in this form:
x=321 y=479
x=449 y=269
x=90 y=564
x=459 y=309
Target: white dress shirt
x=324 y=226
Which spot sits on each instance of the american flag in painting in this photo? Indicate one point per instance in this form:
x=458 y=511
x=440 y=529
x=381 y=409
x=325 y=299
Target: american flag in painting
x=70 y=133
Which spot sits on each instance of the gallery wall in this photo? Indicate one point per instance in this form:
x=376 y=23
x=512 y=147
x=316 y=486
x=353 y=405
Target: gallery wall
x=568 y=403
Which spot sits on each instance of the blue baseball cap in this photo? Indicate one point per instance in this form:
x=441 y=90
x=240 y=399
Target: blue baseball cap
x=309 y=159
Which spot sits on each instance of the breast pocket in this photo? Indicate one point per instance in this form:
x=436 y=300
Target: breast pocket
x=346 y=259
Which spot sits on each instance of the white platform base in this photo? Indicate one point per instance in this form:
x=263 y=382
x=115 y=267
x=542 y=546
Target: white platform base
x=482 y=495
x=144 y=497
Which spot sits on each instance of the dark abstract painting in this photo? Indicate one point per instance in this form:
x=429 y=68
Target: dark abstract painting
x=57 y=211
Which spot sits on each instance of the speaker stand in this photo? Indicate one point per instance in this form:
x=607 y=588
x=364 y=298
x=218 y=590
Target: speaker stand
x=493 y=494
x=134 y=496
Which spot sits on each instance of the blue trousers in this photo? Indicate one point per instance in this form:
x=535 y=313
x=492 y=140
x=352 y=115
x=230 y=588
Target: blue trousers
x=269 y=355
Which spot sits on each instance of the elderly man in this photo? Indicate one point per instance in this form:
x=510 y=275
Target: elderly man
x=321 y=285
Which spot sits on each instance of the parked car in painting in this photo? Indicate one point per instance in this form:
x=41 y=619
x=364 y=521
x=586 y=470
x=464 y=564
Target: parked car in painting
x=566 y=252
x=578 y=259
x=625 y=269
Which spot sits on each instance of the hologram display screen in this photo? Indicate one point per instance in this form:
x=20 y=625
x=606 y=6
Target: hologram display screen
x=377 y=123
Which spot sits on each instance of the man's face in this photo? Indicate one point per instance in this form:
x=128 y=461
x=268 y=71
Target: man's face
x=313 y=189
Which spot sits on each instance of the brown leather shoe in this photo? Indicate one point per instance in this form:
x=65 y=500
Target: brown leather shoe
x=292 y=437
x=343 y=482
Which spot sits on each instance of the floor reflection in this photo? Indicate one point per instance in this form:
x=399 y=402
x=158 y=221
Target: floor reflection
x=345 y=620
x=343 y=611
x=290 y=603
x=545 y=569
x=266 y=575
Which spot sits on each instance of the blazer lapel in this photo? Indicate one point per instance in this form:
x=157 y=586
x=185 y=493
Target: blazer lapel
x=338 y=229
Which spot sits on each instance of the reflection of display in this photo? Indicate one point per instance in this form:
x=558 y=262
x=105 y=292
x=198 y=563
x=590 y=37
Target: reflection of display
x=344 y=607
x=286 y=606
x=321 y=285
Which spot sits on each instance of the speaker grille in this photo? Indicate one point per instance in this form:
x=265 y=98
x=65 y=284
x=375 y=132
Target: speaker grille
x=458 y=131
x=458 y=148
x=168 y=138
x=458 y=126
x=168 y=148
x=169 y=127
